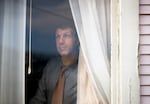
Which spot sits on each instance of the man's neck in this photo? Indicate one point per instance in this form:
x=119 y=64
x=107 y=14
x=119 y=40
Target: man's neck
x=68 y=60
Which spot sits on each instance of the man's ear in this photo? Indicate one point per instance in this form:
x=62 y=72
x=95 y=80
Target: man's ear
x=77 y=43
x=77 y=47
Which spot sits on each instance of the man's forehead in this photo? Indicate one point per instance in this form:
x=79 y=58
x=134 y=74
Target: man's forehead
x=64 y=28
x=67 y=29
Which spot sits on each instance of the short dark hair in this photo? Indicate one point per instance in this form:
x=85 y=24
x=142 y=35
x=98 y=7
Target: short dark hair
x=68 y=25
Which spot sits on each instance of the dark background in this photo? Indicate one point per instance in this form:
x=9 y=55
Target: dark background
x=46 y=15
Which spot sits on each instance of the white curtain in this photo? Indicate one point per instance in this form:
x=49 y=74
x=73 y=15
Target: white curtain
x=92 y=23
x=12 y=51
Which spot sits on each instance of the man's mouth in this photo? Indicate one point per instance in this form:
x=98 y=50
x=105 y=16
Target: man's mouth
x=62 y=48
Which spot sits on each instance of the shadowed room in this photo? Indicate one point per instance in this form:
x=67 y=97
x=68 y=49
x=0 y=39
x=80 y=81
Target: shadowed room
x=42 y=19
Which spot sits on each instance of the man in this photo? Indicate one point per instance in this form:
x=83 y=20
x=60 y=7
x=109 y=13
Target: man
x=58 y=84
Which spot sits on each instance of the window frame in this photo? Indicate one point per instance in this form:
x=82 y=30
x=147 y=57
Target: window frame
x=125 y=87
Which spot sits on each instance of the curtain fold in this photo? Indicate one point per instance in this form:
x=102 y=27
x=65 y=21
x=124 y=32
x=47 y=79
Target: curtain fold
x=92 y=23
x=12 y=51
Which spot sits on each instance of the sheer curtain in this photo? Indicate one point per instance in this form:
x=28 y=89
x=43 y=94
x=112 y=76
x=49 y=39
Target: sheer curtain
x=92 y=22
x=12 y=51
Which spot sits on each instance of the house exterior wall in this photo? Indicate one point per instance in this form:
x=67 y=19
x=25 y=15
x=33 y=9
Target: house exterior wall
x=144 y=51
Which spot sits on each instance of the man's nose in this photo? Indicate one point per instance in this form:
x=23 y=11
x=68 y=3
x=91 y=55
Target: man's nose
x=61 y=40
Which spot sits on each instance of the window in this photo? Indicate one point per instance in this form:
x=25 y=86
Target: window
x=124 y=80
x=42 y=18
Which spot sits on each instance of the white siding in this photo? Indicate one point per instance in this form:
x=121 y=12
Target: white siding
x=144 y=49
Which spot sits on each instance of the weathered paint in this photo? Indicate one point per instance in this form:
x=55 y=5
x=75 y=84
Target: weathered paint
x=124 y=52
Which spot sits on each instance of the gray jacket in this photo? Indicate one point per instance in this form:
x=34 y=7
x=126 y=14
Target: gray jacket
x=48 y=82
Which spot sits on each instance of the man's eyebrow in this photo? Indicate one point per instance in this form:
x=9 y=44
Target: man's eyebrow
x=68 y=32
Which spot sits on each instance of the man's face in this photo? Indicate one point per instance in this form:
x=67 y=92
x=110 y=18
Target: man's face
x=65 y=41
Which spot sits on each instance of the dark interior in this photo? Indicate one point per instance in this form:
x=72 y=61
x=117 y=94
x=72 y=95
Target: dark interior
x=46 y=15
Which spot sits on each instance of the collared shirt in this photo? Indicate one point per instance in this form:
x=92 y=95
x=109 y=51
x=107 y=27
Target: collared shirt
x=49 y=79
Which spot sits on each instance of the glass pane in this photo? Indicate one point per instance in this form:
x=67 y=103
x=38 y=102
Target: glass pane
x=46 y=16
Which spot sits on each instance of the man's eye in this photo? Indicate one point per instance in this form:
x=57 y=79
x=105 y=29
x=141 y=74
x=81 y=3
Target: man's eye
x=67 y=35
x=57 y=36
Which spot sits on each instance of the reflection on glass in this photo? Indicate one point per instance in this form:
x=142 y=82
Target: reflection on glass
x=54 y=53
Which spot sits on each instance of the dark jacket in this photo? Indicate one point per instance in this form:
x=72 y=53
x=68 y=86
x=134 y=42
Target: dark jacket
x=48 y=82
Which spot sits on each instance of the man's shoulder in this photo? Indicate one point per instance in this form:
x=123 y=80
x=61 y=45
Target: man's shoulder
x=53 y=63
x=54 y=60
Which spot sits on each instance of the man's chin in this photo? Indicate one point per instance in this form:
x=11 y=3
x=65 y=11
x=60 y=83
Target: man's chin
x=63 y=54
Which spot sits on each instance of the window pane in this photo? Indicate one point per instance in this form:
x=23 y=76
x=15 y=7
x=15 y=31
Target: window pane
x=46 y=16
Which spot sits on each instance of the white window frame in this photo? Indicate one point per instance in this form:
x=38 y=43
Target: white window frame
x=125 y=87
